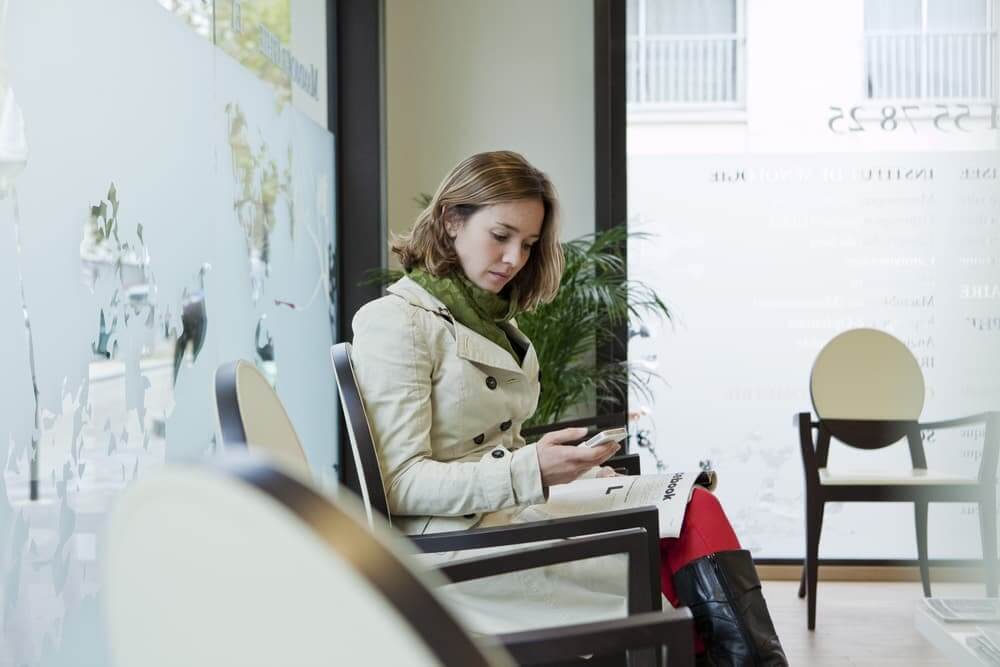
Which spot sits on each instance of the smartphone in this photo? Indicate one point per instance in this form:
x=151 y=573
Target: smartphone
x=611 y=435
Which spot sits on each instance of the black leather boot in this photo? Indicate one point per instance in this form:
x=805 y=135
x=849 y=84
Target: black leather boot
x=702 y=660
x=730 y=615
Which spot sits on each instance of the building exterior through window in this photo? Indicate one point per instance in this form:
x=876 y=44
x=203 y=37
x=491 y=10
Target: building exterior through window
x=685 y=54
x=930 y=49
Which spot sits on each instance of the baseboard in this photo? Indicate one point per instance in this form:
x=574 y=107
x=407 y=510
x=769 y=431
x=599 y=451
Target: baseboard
x=962 y=572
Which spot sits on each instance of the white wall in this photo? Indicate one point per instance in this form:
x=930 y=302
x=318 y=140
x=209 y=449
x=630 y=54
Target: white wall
x=464 y=76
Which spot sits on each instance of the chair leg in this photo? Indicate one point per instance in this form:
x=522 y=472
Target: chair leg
x=814 y=524
x=802 y=582
x=920 y=514
x=988 y=532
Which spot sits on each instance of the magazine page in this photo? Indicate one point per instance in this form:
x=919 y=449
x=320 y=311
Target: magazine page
x=668 y=493
x=964 y=610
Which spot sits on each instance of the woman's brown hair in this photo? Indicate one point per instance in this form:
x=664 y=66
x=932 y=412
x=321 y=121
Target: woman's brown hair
x=476 y=182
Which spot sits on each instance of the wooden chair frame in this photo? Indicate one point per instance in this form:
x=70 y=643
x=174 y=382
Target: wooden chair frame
x=874 y=434
x=373 y=489
x=637 y=639
x=644 y=639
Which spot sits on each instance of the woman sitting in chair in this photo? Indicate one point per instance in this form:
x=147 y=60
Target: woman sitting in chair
x=448 y=380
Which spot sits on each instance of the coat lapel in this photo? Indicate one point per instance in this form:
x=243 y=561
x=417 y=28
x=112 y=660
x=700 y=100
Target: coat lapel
x=530 y=364
x=480 y=350
x=469 y=344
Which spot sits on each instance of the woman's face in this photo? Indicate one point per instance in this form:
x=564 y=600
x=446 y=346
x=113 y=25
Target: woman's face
x=494 y=243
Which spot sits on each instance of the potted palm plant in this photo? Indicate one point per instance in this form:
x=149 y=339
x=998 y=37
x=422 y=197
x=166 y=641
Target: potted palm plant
x=598 y=299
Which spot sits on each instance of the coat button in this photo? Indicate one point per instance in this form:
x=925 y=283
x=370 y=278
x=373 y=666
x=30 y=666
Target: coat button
x=498 y=453
x=506 y=425
x=491 y=382
x=479 y=438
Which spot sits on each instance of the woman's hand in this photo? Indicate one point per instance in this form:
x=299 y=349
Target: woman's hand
x=561 y=463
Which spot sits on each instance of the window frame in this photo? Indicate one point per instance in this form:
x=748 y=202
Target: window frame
x=992 y=31
x=642 y=109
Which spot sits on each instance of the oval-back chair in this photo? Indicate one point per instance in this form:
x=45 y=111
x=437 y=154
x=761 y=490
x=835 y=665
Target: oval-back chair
x=868 y=392
x=251 y=416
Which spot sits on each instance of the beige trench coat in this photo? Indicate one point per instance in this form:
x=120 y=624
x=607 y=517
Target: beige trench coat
x=446 y=406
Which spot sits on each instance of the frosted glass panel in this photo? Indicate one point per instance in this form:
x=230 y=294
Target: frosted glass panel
x=764 y=259
x=174 y=211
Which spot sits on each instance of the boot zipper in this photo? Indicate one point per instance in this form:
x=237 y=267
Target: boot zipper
x=721 y=576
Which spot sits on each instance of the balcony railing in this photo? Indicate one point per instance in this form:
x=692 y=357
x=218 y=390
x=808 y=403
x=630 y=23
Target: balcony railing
x=931 y=65
x=678 y=71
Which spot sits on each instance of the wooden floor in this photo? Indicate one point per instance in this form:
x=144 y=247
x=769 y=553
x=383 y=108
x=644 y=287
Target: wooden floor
x=858 y=624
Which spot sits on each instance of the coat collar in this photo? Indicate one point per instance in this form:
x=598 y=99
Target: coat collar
x=415 y=295
x=469 y=344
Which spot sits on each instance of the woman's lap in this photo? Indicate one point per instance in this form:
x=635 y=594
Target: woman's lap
x=588 y=590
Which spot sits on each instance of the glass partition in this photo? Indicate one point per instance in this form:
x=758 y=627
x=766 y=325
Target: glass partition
x=166 y=205
x=855 y=189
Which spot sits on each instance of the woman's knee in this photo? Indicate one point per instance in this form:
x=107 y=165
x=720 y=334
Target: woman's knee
x=704 y=502
x=710 y=521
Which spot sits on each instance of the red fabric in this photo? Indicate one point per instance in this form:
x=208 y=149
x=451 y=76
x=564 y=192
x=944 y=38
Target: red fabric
x=705 y=531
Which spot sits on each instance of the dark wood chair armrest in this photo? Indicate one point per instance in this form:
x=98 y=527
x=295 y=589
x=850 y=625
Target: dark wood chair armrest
x=627 y=464
x=980 y=418
x=537 y=531
x=646 y=518
x=672 y=628
x=643 y=594
x=597 y=421
x=800 y=418
x=991 y=443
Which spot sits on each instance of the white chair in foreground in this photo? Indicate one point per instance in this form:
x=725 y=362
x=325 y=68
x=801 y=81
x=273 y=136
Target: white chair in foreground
x=239 y=563
x=252 y=417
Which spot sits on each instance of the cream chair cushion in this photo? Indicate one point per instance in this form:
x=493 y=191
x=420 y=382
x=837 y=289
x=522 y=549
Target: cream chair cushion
x=867 y=374
x=915 y=476
x=268 y=429
x=206 y=567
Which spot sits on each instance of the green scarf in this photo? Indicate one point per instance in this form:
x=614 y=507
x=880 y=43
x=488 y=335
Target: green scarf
x=474 y=307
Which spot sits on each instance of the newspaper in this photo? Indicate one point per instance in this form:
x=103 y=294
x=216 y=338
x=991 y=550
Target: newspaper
x=986 y=645
x=965 y=610
x=669 y=493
